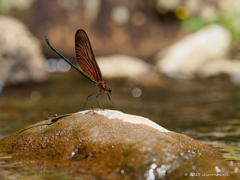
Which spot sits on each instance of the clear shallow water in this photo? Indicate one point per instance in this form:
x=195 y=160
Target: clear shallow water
x=205 y=110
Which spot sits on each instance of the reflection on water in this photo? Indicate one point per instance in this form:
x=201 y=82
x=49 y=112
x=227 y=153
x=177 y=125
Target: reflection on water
x=208 y=111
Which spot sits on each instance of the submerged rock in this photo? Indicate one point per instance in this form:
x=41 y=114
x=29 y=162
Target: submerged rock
x=184 y=58
x=109 y=144
x=21 y=57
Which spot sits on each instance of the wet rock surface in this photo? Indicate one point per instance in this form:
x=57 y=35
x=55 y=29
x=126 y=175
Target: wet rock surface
x=112 y=145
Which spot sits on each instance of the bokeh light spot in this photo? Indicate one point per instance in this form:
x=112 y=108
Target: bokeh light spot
x=51 y=65
x=139 y=18
x=35 y=96
x=120 y=14
x=136 y=92
x=181 y=12
x=63 y=66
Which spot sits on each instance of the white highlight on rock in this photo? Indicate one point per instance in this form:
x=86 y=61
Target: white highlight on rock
x=113 y=114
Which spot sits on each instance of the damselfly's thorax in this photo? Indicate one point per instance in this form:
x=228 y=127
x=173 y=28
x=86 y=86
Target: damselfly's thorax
x=103 y=87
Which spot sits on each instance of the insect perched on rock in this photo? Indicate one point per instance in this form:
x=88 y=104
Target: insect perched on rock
x=88 y=65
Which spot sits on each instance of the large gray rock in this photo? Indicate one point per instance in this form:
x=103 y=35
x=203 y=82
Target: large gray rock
x=185 y=57
x=21 y=57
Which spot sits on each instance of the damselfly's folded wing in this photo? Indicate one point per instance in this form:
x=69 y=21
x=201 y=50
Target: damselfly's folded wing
x=85 y=56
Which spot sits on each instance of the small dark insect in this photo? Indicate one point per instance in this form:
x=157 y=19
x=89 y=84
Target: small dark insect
x=88 y=65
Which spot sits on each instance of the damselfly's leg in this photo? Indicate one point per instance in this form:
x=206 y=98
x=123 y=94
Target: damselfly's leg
x=111 y=101
x=89 y=98
x=98 y=97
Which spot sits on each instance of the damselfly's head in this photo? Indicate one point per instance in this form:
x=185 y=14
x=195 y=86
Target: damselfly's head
x=109 y=91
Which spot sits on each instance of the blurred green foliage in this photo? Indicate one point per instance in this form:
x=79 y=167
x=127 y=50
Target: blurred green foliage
x=228 y=21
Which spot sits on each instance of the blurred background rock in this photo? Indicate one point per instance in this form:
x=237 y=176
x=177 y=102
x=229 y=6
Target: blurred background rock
x=140 y=28
x=21 y=57
x=129 y=27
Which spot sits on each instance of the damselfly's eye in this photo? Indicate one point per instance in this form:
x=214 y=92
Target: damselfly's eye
x=109 y=90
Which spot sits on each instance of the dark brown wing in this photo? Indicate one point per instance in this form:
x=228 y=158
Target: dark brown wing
x=85 y=56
